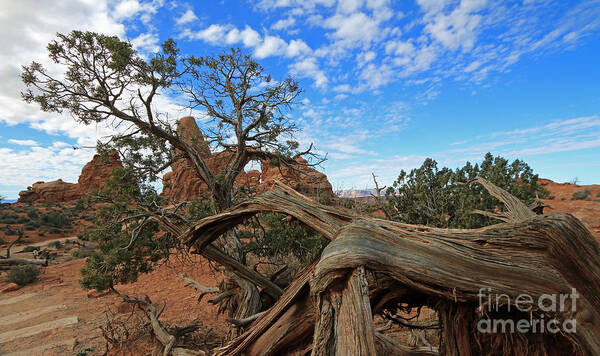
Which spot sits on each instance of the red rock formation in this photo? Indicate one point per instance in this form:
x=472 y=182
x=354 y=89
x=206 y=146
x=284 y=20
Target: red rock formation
x=93 y=175
x=182 y=183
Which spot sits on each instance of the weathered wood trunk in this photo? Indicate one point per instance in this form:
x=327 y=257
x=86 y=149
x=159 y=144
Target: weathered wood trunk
x=371 y=264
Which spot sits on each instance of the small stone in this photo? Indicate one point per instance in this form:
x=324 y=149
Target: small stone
x=10 y=288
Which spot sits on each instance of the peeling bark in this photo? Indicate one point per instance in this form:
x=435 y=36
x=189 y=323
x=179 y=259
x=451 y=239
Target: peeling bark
x=528 y=254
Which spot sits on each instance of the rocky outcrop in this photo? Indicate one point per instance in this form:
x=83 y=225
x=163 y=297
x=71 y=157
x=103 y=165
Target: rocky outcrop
x=182 y=183
x=92 y=177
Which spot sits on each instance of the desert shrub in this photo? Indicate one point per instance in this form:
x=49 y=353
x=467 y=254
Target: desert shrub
x=30 y=226
x=598 y=195
x=326 y=199
x=30 y=248
x=56 y=244
x=79 y=205
x=8 y=230
x=56 y=219
x=280 y=236
x=82 y=252
x=439 y=197
x=55 y=230
x=41 y=233
x=581 y=195
x=23 y=275
x=23 y=220
x=32 y=213
x=2 y=242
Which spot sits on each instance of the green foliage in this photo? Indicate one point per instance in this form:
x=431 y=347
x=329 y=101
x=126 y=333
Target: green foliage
x=32 y=213
x=23 y=275
x=119 y=258
x=276 y=236
x=8 y=231
x=438 y=197
x=82 y=252
x=55 y=219
x=30 y=248
x=326 y=199
x=199 y=209
x=581 y=195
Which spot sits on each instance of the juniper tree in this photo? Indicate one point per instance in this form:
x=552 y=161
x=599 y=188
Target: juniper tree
x=244 y=115
x=440 y=197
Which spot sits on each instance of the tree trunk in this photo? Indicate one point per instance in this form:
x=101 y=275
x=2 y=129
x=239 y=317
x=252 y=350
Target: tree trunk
x=530 y=254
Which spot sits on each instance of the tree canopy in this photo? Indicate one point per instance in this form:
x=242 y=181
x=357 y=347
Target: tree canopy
x=241 y=108
x=441 y=197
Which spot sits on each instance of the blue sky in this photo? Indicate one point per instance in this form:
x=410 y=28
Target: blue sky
x=387 y=83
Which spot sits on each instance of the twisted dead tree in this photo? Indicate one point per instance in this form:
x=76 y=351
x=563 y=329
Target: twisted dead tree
x=372 y=265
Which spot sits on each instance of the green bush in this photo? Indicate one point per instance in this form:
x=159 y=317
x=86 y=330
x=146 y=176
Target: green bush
x=10 y=231
x=82 y=252
x=29 y=226
x=56 y=244
x=439 y=197
x=23 y=275
x=581 y=195
x=32 y=213
x=31 y=248
x=280 y=237
x=55 y=219
x=23 y=220
x=326 y=199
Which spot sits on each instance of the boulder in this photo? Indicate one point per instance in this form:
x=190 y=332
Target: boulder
x=11 y=287
x=92 y=177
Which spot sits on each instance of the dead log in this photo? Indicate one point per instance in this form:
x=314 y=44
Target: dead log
x=167 y=339
x=528 y=254
x=204 y=290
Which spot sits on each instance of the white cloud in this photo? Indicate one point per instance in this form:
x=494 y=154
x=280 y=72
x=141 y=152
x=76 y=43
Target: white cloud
x=128 y=9
x=51 y=163
x=284 y=23
x=146 y=43
x=354 y=28
x=187 y=17
x=20 y=47
x=23 y=142
x=263 y=47
x=309 y=68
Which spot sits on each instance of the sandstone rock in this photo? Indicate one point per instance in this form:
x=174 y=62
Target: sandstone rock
x=10 y=288
x=93 y=175
x=182 y=183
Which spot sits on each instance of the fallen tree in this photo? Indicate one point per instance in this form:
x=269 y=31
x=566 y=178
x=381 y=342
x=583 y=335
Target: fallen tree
x=372 y=265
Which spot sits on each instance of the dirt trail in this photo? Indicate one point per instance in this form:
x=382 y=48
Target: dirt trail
x=54 y=316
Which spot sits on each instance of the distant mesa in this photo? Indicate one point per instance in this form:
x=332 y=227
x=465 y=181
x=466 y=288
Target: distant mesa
x=183 y=184
x=356 y=193
x=92 y=177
